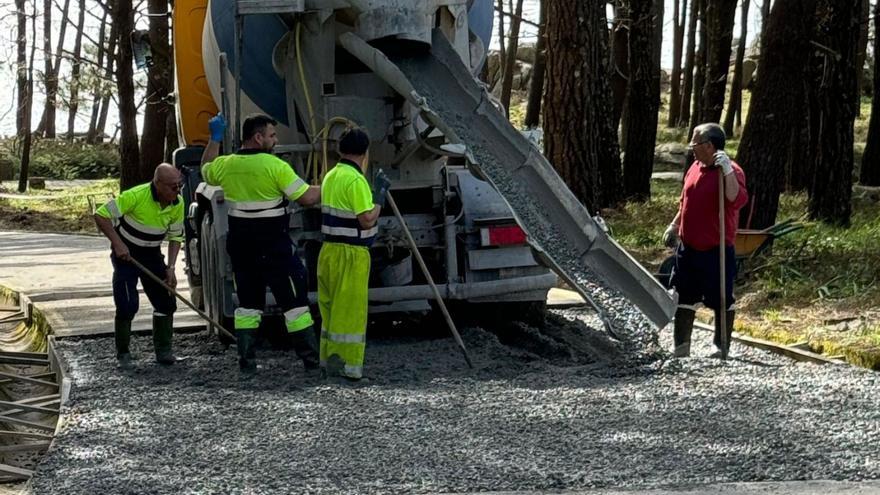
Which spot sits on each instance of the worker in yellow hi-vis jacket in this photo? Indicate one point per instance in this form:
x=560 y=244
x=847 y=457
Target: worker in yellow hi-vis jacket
x=349 y=215
x=258 y=186
x=136 y=223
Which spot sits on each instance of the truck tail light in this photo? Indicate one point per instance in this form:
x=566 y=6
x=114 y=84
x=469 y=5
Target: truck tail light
x=502 y=236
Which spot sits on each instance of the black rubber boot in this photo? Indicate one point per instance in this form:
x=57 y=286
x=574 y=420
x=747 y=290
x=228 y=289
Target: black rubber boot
x=122 y=335
x=305 y=345
x=245 y=340
x=684 y=325
x=729 y=327
x=163 y=329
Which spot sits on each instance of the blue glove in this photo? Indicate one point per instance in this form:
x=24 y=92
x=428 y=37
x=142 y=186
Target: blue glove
x=381 y=184
x=217 y=125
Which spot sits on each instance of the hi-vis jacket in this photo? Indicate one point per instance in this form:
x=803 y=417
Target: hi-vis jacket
x=140 y=219
x=256 y=184
x=345 y=194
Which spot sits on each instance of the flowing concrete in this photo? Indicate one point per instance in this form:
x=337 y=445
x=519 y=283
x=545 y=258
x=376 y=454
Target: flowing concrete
x=69 y=278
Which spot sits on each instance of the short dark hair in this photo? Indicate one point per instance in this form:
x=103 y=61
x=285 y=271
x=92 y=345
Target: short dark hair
x=255 y=123
x=713 y=133
x=354 y=141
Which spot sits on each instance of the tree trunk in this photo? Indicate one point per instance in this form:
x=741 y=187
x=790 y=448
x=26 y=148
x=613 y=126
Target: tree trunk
x=171 y=140
x=158 y=87
x=580 y=137
x=870 y=170
x=536 y=88
x=834 y=72
x=75 y=82
x=510 y=62
x=98 y=135
x=619 y=58
x=643 y=99
x=21 y=70
x=862 y=52
x=720 y=16
x=679 y=14
x=700 y=71
x=47 y=120
x=777 y=116
x=684 y=112
x=501 y=34
x=97 y=91
x=129 y=159
x=26 y=96
x=47 y=60
x=733 y=108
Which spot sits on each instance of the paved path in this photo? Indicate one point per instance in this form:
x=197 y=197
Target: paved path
x=68 y=277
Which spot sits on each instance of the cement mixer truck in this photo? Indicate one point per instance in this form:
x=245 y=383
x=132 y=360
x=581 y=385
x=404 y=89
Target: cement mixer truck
x=317 y=66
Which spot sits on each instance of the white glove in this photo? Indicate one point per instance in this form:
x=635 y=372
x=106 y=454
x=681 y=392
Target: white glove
x=723 y=161
x=670 y=237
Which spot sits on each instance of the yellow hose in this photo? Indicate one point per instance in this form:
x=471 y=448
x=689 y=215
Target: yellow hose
x=312 y=159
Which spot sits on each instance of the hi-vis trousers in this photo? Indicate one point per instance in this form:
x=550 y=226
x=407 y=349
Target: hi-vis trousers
x=343 y=278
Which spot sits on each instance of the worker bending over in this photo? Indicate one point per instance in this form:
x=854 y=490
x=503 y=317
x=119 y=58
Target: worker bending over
x=257 y=186
x=136 y=223
x=349 y=215
x=696 y=274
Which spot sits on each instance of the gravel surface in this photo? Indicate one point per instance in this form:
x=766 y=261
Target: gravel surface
x=544 y=409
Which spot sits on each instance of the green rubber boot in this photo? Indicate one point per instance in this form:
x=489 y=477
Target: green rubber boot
x=245 y=340
x=305 y=345
x=122 y=336
x=163 y=328
x=684 y=325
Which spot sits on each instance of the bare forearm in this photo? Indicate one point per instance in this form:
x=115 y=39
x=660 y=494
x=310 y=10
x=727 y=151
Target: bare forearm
x=368 y=219
x=731 y=187
x=212 y=150
x=310 y=197
x=173 y=251
x=106 y=227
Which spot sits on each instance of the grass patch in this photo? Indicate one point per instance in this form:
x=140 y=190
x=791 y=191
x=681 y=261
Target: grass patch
x=62 y=211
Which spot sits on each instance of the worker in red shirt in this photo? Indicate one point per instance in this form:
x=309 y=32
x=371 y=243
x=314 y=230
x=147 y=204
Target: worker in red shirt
x=695 y=231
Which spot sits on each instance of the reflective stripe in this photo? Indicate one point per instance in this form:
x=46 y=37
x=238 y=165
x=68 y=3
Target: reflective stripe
x=293 y=187
x=247 y=319
x=336 y=212
x=692 y=307
x=344 y=338
x=146 y=229
x=176 y=227
x=298 y=319
x=275 y=212
x=137 y=241
x=341 y=231
x=354 y=371
x=350 y=232
x=349 y=370
x=254 y=205
x=156 y=313
x=113 y=209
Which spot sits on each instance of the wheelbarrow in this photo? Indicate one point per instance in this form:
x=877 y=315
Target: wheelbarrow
x=748 y=245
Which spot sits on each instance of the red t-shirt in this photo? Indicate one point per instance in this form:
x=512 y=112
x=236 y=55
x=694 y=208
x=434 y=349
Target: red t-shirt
x=699 y=207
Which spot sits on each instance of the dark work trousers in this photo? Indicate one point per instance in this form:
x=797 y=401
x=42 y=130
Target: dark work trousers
x=260 y=260
x=696 y=276
x=125 y=279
